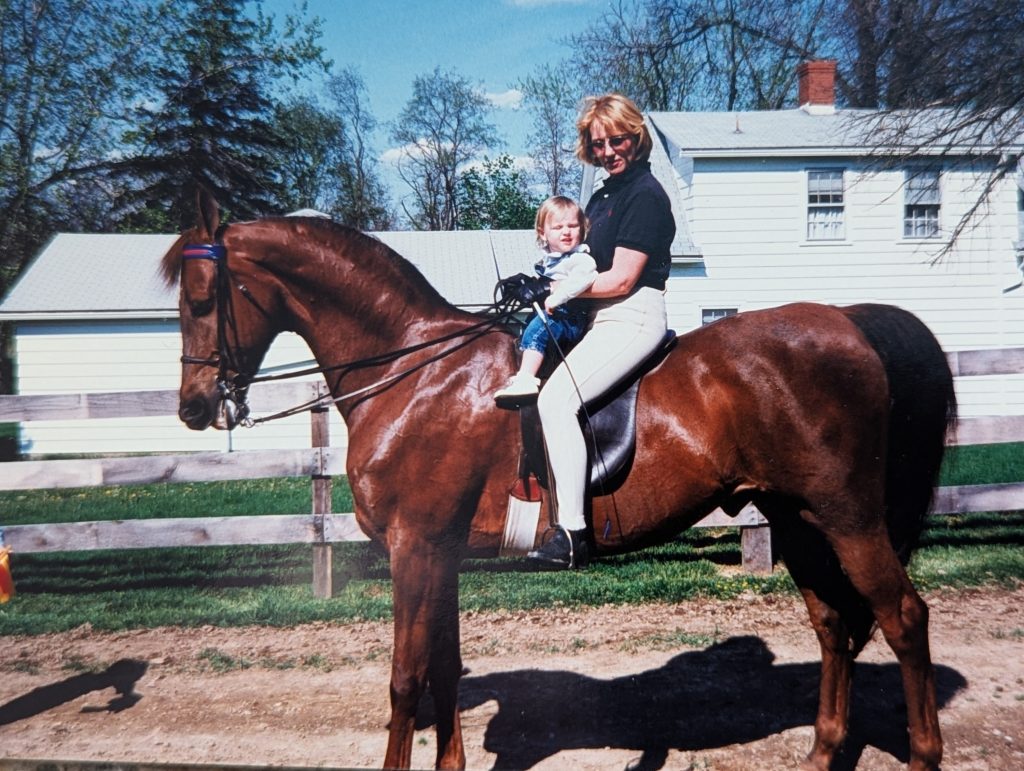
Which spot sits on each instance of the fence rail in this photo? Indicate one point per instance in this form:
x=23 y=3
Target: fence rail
x=320 y=462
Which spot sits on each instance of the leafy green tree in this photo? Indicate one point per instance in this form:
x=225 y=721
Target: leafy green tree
x=212 y=117
x=326 y=163
x=67 y=71
x=495 y=196
x=442 y=127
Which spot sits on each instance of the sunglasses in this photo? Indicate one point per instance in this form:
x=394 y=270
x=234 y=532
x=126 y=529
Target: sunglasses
x=615 y=142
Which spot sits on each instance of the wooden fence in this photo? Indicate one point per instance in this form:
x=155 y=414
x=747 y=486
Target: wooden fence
x=320 y=462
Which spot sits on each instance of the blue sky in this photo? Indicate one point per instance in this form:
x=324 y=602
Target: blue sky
x=490 y=42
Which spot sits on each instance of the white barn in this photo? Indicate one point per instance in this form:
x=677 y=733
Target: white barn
x=771 y=207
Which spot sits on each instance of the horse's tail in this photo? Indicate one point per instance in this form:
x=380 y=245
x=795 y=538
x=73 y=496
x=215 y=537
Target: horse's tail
x=923 y=408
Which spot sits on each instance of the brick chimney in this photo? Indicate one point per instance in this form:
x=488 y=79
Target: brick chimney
x=817 y=92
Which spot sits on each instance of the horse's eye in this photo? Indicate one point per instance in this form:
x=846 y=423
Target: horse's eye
x=200 y=307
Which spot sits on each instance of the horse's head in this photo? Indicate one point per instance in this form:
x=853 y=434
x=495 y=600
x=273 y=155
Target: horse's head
x=227 y=320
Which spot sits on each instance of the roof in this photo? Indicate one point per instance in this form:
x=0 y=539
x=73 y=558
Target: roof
x=97 y=275
x=116 y=276
x=802 y=132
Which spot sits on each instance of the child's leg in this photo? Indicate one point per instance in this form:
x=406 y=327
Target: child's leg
x=532 y=359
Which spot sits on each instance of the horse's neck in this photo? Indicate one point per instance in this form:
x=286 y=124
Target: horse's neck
x=350 y=314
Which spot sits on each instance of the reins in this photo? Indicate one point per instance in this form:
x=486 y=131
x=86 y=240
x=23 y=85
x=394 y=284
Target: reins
x=234 y=390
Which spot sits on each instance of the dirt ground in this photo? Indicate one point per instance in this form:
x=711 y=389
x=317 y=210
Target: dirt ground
x=702 y=685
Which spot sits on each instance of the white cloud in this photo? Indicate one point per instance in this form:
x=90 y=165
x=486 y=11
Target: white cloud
x=511 y=99
x=392 y=156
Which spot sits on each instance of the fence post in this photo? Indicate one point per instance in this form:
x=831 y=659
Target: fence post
x=323 y=577
x=756 y=548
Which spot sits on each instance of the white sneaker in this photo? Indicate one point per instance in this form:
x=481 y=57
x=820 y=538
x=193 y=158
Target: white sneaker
x=521 y=389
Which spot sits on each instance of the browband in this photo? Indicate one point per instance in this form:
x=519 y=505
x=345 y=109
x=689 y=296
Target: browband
x=203 y=252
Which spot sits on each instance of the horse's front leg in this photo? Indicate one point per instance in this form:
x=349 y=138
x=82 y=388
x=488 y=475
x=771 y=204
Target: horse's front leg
x=426 y=610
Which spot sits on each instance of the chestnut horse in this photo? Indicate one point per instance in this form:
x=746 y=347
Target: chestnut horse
x=832 y=421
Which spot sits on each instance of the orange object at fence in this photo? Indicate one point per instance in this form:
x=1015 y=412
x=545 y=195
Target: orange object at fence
x=6 y=582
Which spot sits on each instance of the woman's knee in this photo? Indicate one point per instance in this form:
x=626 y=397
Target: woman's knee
x=556 y=402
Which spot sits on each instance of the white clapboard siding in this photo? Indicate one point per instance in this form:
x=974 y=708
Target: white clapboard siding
x=748 y=219
x=66 y=357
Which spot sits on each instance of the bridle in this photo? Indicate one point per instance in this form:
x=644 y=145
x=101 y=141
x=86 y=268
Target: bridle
x=230 y=357
x=227 y=358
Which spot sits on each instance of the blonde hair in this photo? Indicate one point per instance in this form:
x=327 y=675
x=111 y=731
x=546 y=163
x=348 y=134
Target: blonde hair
x=558 y=204
x=619 y=115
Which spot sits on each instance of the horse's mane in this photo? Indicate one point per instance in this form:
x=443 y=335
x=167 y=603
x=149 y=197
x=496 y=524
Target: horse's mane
x=374 y=251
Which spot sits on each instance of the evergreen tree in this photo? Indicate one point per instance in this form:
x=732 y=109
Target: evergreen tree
x=212 y=122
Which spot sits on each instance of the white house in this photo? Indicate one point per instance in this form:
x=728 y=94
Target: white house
x=771 y=207
x=777 y=206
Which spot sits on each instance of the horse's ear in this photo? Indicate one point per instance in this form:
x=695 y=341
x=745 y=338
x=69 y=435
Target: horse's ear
x=209 y=214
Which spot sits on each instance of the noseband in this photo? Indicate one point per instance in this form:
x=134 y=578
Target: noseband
x=227 y=358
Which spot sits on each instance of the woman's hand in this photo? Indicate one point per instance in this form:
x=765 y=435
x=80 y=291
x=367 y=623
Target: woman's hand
x=621 y=277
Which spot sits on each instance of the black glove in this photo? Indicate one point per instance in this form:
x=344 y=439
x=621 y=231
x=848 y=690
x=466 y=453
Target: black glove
x=523 y=290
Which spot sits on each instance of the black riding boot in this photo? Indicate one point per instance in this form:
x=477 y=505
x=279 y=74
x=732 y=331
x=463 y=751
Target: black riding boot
x=566 y=549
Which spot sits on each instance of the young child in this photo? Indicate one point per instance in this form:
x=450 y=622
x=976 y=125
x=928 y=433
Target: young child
x=561 y=227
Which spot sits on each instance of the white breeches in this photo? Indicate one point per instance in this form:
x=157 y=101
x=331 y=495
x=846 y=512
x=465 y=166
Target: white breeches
x=623 y=333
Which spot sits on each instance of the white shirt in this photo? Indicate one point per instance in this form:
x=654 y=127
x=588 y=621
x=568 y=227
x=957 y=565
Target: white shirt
x=574 y=271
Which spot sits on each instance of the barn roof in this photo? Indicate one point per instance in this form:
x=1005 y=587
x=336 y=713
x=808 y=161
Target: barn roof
x=90 y=274
x=116 y=276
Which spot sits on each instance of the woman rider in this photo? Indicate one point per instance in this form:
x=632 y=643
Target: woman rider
x=631 y=232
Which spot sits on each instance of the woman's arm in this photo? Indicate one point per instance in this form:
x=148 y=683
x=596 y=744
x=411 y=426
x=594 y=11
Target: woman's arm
x=621 y=277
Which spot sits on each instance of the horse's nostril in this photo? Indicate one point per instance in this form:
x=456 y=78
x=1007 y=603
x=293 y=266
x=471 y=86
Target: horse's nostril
x=194 y=413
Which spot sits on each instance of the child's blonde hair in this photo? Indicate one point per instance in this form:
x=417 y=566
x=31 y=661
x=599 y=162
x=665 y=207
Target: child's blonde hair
x=558 y=204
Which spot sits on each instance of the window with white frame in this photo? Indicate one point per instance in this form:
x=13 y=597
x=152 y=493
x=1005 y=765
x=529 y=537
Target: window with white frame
x=825 y=205
x=922 y=199
x=710 y=315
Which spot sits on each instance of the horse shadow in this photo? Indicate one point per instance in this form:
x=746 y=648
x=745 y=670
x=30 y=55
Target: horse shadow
x=729 y=693
x=122 y=676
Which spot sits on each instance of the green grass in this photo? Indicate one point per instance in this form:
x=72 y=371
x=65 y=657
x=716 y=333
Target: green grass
x=200 y=499
x=231 y=586
x=983 y=464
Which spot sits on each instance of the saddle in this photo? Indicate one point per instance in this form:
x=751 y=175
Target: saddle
x=609 y=427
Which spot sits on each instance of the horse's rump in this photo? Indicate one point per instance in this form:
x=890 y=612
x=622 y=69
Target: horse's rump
x=923 y=408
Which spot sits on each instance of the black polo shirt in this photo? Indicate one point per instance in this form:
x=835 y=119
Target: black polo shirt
x=632 y=210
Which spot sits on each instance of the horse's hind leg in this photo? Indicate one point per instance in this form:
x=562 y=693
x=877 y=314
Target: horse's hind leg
x=840 y=619
x=874 y=570
x=425 y=581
